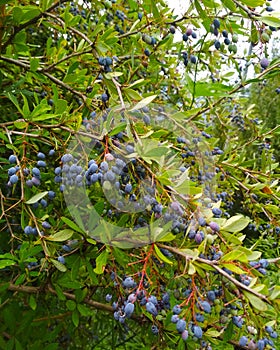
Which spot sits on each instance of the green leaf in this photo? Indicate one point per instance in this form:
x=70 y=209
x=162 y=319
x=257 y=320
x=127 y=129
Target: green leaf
x=83 y=310
x=235 y=255
x=71 y=305
x=75 y=318
x=143 y=102
x=20 y=124
x=233 y=268
x=270 y=21
x=255 y=301
x=37 y=197
x=275 y=293
x=253 y=3
x=58 y=265
x=60 y=236
x=5 y=263
x=161 y=256
x=191 y=269
x=167 y=237
x=101 y=262
x=212 y=332
x=155 y=9
x=32 y=302
x=229 y=4
x=236 y=223
x=71 y=224
x=34 y=64
x=17 y=14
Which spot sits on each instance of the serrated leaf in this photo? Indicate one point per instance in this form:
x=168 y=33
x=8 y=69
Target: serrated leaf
x=58 y=265
x=236 y=223
x=143 y=103
x=255 y=301
x=161 y=256
x=36 y=198
x=60 y=236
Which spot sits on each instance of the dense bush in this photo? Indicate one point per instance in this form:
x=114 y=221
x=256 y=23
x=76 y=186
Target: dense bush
x=139 y=189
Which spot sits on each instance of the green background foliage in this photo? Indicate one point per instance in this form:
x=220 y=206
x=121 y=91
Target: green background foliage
x=157 y=87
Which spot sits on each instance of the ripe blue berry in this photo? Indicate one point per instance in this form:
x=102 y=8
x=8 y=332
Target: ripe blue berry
x=150 y=307
x=181 y=326
x=61 y=259
x=128 y=309
x=104 y=97
x=13 y=179
x=41 y=155
x=243 y=341
x=12 y=159
x=206 y=307
x=197 y=331
x=41 y=164
x=154 y=329
x=175 y=318
x=176 y=309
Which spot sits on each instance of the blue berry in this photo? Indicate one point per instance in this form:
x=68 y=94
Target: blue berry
x=153 y=299
x=43 y=203
x=211 y=295
x=243 y=341
x=175 y=318
x=206 y=307
x=46 y=225
x=181 y=326
x=128 y=188
x=104 y=97
x=28 y=230
x=128 y=309
x=41 y=164
x=261 y=344
x=36 y=172
x=129 y=283
x=154 y=329
x=12 y=159
x=61 y=259
x=41 y=155
x=150 y=307
x=13 y=179
x=12 y=171
x=176 y=309
x=197 y=331
x=66 y=158
x=217 y=211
